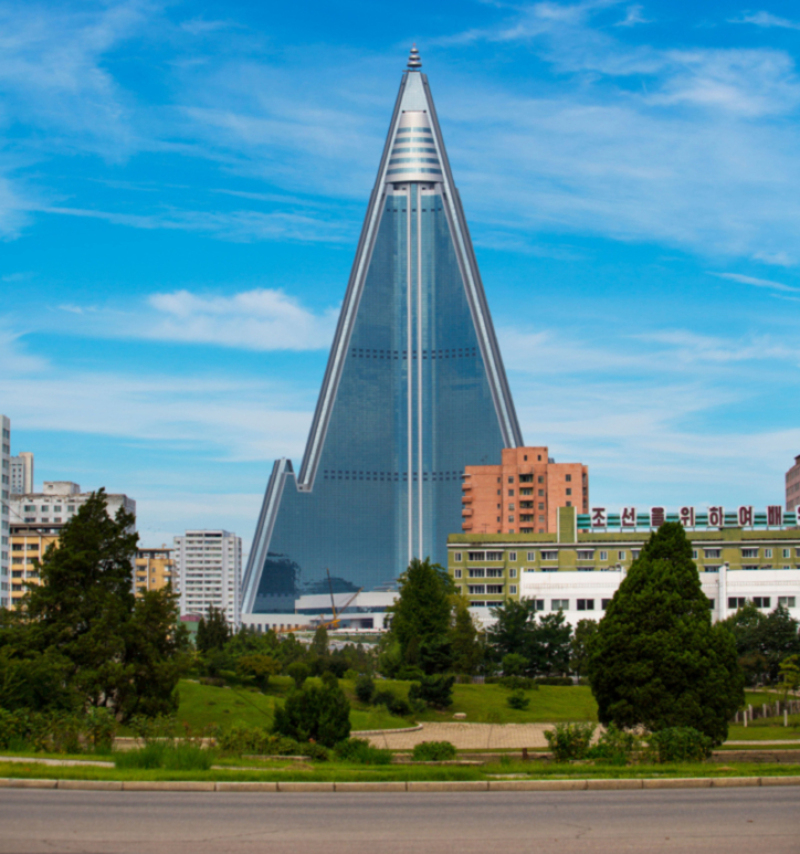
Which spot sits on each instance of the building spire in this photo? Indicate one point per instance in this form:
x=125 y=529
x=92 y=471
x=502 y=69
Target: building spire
x=414 y=62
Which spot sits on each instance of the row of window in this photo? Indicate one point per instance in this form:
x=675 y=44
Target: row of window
x=589 y=554
x=734 y=602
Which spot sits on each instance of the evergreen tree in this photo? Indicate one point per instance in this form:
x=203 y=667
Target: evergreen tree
x=321 y=714
x=510 y=634
x=213 y=631
x=579 y=648
x=549 y=644
x=656 y=660
x=420 y=617
x=467 y=651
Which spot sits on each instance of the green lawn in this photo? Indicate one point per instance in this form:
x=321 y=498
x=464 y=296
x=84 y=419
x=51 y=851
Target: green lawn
x=203 y=706
x=487 y=704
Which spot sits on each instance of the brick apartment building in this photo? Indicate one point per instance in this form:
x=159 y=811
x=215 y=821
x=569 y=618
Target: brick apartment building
x=522 y=494
x=793 y=486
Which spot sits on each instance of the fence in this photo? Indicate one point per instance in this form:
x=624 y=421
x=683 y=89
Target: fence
x=767 y=710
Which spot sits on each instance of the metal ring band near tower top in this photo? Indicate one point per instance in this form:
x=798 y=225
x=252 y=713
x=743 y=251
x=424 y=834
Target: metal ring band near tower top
x=414 y=62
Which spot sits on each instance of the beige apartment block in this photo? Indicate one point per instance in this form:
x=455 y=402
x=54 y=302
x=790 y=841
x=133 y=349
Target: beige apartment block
x=522 y=494
x=153 y=570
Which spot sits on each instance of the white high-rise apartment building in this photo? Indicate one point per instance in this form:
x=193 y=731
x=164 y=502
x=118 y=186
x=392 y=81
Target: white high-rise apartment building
x=22 y=473
x=208 y=571
x=5 y=494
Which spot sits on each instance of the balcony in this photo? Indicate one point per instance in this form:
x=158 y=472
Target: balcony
x=467 y=511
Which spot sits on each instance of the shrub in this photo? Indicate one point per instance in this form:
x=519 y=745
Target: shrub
x=436 y=691
x=566 y=681
x=299 y=672
x=433 y=751
x=678 y=744
x=365 y=689
x=518 y=700
x=514 y=664
x=570 y=741
x=361 y=751
x=614 y=747
x=396 y=705
x=173 y=757
x=100 y=727
x=213 y=681
x=319 y=714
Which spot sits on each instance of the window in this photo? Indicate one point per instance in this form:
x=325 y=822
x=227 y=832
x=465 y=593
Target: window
x=512 y=573
x=541 y=493
x=494 y=589
x=603 y=555
x=712 y=553
x=540 y=604
x=457 y=557
x=786 y=553
x=761 y=601
x=787 y=601
x=477 y=604
x=511 y=507
x=569 y=490
x=604 y=603
x=477 y=573
x=30 y=508
x=749 y=552
x=569 y=478
x=541 y=505
x=494 y=573
x=510 y=493
x=540 y=479
x=559 y=604
x=476 y=555
x=512 y=590
x=767 y=552
x=586 y=604
x=549 y=555
x=620 y=555
x=512 y=555
x=736 y=602
x=585 y=554
x=494 y=555
x=511 y=480
x=511 y=519
x=457 y=573
x=711 y=604
x=526 y=478
x=531 y=556
x=526 y=491
x=476 y=589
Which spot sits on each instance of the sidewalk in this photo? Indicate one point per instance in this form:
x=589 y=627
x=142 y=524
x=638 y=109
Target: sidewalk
x=465 y=736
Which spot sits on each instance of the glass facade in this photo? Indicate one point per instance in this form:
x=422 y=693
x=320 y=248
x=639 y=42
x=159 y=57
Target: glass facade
x=413 y=404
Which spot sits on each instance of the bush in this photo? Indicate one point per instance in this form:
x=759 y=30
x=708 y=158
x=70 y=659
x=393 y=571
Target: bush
x=258 y=741
x=299 y=672
x=56 y=732
x=315 y=714
x=433 y=751
x=570 y=741
x=566 y=681
x=435 y=691
x=213 y=681
x=614 y=747
x=518 y=700
x=678 y=744
x=365 y=689
x=173 y=757
x=395 y=705
x=361 y=751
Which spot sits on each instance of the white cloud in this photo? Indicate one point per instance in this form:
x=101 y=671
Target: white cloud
x=766 y=19
x=633 y=16
x=261 y=319
x=759 y=283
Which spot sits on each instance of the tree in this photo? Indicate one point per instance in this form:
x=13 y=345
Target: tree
x=319 y=644
x=549 y=644
x=656 y=660
x=790 y=675
x=510 y=634
x=258 y=667
x=320 y=714
x=579 y=648
x=763 y=640
x=213 y=631
x=420 y=617
x=465 y=644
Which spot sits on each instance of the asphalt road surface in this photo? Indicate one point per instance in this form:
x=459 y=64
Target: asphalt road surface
x=685 y=821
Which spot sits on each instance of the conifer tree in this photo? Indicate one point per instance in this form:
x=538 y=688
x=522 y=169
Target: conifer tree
x=656 y=660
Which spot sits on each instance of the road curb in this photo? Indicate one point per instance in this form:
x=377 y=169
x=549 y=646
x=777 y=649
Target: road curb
x=233 y=786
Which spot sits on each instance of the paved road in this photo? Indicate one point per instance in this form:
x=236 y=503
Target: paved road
x=681 y=821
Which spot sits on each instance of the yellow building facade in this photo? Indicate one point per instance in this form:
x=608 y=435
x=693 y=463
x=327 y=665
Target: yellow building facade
x=153 y=570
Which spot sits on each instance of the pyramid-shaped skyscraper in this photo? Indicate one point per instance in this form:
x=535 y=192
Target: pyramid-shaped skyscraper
x=414 y=390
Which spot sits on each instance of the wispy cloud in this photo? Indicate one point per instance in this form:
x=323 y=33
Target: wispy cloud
x=758 y=283
x=766 y=19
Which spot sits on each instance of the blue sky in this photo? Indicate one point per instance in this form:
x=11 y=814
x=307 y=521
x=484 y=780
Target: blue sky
x=182 y=186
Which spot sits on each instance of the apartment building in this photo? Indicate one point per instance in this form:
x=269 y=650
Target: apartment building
x=522 y=494
x=208 y=572
x=22 y=473
x=5 y=494
x=153 y=569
